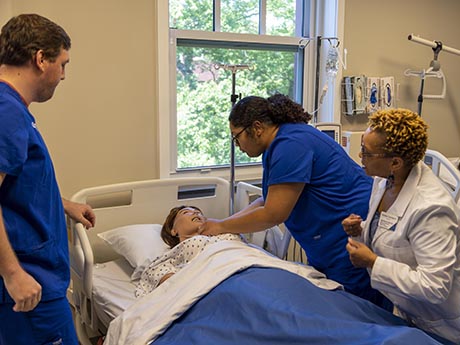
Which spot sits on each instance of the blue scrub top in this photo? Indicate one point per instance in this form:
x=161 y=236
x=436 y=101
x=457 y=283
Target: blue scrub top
x=335 y=187
x=30 y=200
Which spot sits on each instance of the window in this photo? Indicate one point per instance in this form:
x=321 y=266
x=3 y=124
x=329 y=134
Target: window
x=206 y=37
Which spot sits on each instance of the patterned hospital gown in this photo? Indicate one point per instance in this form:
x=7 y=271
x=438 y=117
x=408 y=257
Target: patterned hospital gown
x=176 y=258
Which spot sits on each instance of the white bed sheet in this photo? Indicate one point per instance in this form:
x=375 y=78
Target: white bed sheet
x=152 y=314
x=113 y=290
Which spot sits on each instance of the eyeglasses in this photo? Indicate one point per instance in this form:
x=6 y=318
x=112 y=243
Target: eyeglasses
x=365 y=154
x=235 y=137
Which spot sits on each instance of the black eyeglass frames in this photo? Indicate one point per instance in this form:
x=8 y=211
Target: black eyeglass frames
x=235 y=137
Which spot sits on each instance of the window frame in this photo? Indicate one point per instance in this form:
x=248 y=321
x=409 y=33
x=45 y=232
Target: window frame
x=166 y=88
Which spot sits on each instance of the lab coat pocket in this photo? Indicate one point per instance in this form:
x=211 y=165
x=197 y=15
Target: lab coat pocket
x=397 y=249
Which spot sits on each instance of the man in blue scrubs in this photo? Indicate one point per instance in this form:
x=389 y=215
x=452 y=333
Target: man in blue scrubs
x=34 y=260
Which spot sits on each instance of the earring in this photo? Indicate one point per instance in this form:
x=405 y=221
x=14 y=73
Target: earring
x=390 y=181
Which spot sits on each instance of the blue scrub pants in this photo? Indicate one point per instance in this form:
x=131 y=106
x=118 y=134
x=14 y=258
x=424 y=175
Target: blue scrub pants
x=50 y=323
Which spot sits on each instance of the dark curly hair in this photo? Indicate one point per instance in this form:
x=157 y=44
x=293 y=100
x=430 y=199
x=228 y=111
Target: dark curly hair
x=168 y=225
x=22 y=36
x=276 y=110
x=405 y=133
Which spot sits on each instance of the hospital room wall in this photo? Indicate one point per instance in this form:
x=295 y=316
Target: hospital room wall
x=375 y=35
x=100 y=126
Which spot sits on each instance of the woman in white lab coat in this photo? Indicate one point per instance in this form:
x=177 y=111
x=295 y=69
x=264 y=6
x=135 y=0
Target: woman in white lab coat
x=410 y=240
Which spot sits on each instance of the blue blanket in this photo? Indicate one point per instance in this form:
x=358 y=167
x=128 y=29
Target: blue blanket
x=271 y=306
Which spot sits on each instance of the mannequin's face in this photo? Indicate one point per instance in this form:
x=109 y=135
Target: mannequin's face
x=187 y=222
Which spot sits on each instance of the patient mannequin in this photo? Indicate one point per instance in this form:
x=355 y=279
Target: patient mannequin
x=180 y=232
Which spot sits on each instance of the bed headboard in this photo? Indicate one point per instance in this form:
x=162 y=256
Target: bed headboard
x=143 y=202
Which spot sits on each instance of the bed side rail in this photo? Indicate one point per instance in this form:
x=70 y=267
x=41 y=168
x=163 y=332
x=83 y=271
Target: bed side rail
x=274 y=240
x=445 y=171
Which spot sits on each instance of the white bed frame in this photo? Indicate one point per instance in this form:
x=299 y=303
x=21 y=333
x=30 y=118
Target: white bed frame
x=123 y=204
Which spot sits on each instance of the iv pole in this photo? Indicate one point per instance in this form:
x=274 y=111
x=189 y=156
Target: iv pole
x=233 y=98
x=302 y=44
x=319 y=39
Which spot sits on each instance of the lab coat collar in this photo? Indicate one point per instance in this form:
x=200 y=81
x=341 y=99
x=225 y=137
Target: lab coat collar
x=407 y=191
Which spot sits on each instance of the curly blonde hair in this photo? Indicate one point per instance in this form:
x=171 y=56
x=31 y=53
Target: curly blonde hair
x=405 y=133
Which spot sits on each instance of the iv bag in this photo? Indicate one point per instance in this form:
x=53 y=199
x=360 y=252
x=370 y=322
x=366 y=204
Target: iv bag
x=332 y=62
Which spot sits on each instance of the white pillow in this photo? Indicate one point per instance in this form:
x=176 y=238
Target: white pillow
x=140 y=244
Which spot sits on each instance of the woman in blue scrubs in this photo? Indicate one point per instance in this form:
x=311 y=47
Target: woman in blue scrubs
x=309 y=183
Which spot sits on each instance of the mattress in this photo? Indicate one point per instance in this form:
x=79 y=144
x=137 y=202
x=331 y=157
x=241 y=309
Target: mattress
x=113 y=290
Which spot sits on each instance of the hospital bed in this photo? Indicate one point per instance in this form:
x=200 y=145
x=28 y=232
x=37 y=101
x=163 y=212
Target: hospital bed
x=102 y=287
x=97 y=297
